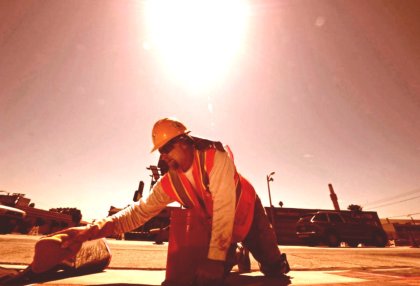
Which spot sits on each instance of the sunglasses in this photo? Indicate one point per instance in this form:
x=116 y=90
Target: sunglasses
x=165 y=149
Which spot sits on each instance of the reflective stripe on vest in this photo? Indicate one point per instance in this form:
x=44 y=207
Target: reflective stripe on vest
x=175 y=187
x=183 y=196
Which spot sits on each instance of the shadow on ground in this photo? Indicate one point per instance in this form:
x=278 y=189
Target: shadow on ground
x=236 y=279
x=24 y=277
x=233 y=280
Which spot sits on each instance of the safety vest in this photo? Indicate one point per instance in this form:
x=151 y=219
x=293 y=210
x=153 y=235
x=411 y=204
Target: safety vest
x=179 y=188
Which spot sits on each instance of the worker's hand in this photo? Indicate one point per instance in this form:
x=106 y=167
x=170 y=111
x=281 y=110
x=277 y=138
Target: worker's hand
x=209 y=273
x=72 y=237
x=80 y=234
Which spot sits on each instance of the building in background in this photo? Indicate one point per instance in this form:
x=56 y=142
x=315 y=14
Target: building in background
x=34 y=220
x=402 y=231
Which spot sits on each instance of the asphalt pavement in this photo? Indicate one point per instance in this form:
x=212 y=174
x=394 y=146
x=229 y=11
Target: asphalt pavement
x=383 y=277
x=383 y=267
x=155 y=277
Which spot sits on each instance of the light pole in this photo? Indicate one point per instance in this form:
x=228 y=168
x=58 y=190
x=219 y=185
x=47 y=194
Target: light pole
x=270 y=179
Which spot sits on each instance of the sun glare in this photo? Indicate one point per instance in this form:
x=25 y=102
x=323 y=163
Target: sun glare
x=197 y=40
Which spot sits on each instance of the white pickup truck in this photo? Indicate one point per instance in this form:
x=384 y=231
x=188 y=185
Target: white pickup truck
x=9 y=217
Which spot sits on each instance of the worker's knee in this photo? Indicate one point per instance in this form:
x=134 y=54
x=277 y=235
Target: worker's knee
x=277 y=268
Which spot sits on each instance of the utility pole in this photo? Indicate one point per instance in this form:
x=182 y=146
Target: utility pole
x=333 y=197
x=270 y=179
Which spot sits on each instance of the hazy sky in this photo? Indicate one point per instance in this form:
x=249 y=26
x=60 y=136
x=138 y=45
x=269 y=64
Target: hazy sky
x=318 y=91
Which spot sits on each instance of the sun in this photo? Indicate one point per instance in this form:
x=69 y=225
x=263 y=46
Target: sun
x=196 y=40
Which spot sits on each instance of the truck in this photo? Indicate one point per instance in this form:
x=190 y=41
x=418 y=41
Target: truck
x=9 y=218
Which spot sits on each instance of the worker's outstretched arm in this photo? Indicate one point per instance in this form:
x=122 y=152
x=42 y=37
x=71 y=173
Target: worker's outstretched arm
x=132 y=217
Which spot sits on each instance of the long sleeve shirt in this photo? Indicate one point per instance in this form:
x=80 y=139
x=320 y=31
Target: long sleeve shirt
x=222 y=189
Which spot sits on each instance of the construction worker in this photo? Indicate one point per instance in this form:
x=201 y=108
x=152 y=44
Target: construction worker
x=201 y=176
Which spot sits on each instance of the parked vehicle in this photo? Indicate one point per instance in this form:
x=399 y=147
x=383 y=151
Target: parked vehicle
x=9 y=218
x=333 y=227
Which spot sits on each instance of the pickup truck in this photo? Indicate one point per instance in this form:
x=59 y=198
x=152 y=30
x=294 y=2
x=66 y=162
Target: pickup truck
x=9 y=217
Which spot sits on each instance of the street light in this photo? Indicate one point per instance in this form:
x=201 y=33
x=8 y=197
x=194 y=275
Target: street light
x=270 y=179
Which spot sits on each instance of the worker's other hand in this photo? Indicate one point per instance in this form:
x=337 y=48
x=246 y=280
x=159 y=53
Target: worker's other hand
x=209 y=273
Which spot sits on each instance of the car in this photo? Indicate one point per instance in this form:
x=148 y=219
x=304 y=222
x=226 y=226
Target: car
x=334 y=227
x=9 y=217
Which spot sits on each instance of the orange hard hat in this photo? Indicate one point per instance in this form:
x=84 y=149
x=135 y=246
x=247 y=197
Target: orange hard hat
x=166 y=129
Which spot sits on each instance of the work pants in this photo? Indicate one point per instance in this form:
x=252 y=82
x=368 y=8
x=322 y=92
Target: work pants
x=261 y=241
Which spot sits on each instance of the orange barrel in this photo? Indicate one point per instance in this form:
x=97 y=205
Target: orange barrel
x=189 y=237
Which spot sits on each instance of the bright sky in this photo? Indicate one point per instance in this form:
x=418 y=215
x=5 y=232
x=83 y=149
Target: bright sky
x=318 y=91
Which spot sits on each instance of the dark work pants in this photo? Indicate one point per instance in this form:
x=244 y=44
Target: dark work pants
x=261 y=241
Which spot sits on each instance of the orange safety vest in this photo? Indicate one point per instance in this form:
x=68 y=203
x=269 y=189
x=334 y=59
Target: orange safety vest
x=178 y=187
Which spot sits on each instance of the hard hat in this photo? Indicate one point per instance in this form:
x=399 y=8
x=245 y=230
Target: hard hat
x=166 y=129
